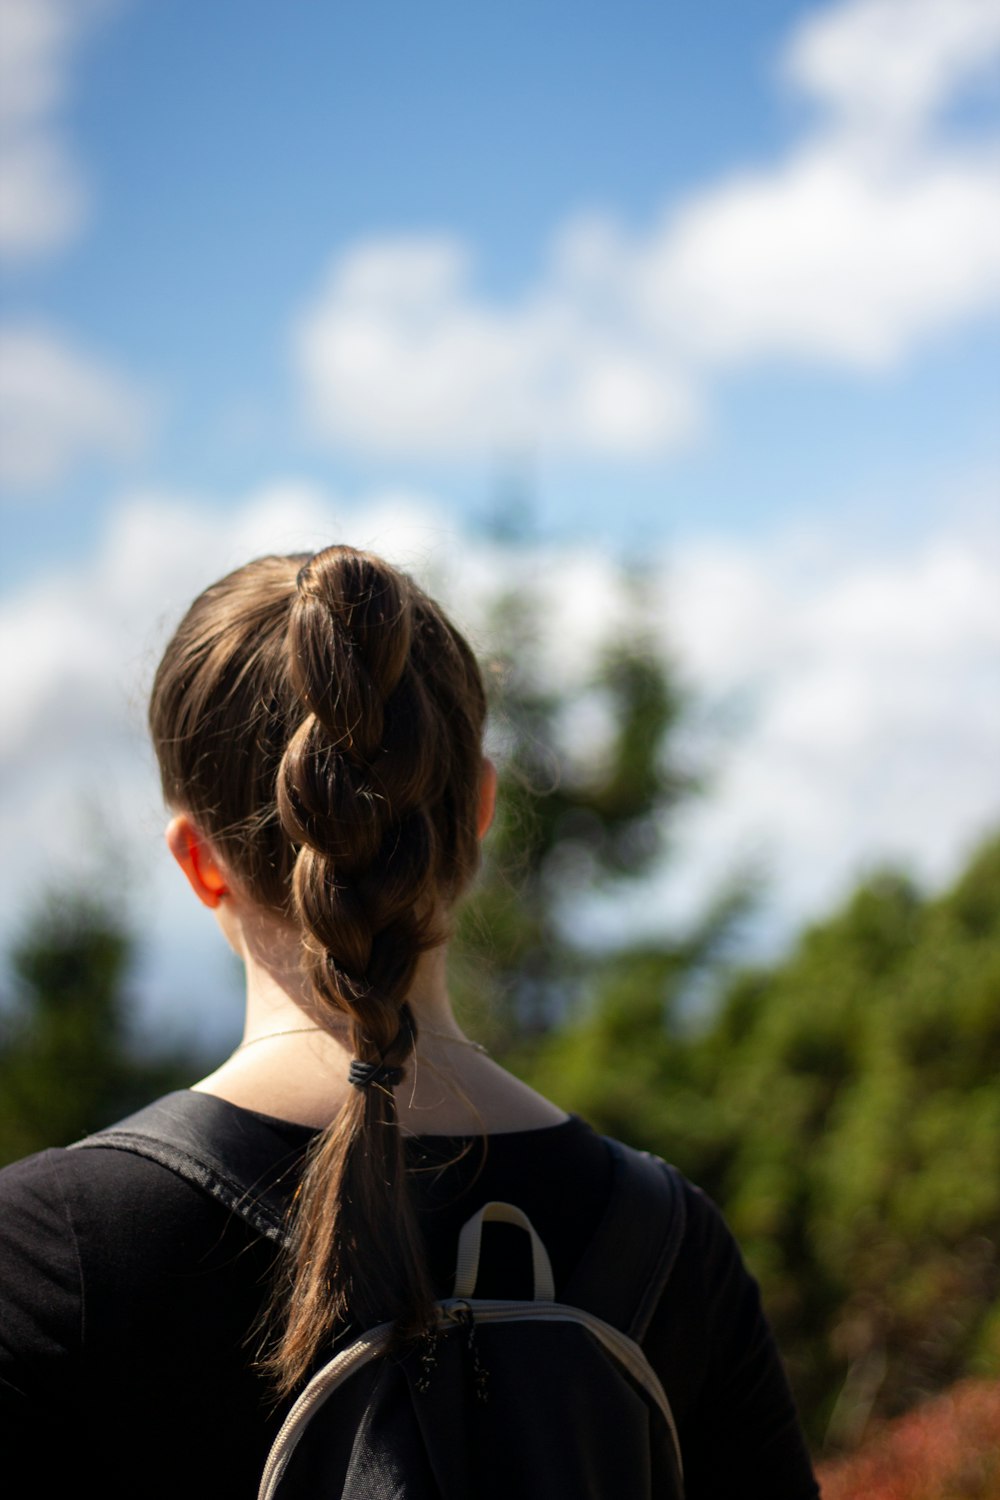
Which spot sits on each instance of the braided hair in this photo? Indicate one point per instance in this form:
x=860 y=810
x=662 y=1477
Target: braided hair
x=320 y=719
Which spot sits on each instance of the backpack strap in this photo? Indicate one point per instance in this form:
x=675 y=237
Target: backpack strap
x=202 y=1140
x=627 y=1264
x=620 y=1278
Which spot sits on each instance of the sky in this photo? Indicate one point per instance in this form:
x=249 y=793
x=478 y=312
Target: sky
x=537 y=295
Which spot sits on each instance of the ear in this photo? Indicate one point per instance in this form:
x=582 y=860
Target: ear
x=196 y=858
x=487 y=796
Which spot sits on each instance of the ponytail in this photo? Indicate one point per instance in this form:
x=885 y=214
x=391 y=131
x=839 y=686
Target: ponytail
x=363 y=888
x=344 y=714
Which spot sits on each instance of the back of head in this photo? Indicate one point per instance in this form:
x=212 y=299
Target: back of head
x=320 y=720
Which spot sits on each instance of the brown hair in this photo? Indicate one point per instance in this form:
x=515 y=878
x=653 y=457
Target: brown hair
x=320 y=720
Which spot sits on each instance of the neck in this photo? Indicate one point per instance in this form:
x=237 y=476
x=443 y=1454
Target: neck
x=278 y=995
x=301 y=1073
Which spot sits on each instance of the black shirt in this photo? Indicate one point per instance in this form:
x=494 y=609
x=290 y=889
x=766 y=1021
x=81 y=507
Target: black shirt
x=129 y=1298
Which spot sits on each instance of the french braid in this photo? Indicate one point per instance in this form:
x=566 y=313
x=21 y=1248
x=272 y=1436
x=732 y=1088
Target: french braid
x=346 y=713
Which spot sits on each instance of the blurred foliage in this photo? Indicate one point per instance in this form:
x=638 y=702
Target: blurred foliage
x=946 y=1449
x=588 y=779
x=67 y=1064
x=842 y=1107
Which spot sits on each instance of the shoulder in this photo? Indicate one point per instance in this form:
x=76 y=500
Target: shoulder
x=711 y=1344
x=62 y=1209
x=105 y=1255
x=64 y=1186
x=682 y=1209
x=709 y=1287
x=42 y=1314
x=96 y=1241
x=35 y=1219
x=100 y=1215
x=705 y=1237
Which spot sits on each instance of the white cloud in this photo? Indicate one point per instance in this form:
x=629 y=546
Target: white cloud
x=868 y=721
x=43 y=198
x=876 y=230
x=889 y=65
x=836 y=258
x=869 y=711
x=397 y=353
x=59 y=405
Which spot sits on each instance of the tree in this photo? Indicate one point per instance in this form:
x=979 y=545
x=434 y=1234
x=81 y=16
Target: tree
x=842 y=1108
x=67 y=1062
x=575 y=820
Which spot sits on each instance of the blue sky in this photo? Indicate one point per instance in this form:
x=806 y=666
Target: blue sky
x=711 y=286
x=230 y=153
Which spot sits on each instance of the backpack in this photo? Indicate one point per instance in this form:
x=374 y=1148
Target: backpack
x=527 y=1399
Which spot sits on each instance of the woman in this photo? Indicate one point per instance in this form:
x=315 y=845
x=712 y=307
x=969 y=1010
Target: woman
x=318 y=723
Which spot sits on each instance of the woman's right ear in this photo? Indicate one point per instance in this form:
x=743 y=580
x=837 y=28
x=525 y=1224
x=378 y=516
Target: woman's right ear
x=196 y=858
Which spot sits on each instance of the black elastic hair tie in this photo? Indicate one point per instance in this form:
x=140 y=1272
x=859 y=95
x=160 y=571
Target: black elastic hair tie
x=363 y=1074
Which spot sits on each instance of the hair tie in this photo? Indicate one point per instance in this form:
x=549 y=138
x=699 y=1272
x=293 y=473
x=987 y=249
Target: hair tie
x=362 y=1074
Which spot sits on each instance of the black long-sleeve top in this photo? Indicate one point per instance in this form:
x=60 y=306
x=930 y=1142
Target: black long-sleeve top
x=128 y=1300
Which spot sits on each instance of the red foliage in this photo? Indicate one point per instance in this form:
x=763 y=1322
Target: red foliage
x=946 y=1449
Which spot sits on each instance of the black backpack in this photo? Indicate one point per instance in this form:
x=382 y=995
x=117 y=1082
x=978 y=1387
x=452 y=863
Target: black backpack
x=506 y=1399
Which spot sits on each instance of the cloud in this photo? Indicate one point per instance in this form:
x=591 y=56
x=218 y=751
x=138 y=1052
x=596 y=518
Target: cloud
x=863 y=689
x=43 y=198
x=876 y=230
x=60 y=405
x=397 y=353
x=835 y=259
x=888 y=66
x=859 y=692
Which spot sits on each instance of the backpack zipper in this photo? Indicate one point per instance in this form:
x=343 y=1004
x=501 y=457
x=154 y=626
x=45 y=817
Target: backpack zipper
x=625 y=1350
x=454 y=1311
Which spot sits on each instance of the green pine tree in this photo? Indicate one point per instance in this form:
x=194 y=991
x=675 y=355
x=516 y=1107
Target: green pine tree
x=67 y=1061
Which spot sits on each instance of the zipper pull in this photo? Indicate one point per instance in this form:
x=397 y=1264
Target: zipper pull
x=428 y=1359
x=480 y=1375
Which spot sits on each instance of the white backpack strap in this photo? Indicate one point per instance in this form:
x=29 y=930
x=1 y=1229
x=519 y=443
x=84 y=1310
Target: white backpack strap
x=470 y=1240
